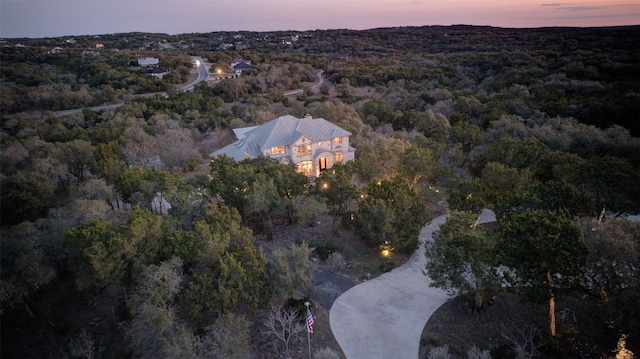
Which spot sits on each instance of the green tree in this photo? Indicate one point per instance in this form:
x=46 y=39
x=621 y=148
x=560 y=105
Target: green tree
x=612 y=279
x=500 y=180
x=293 y=268
x=146 y=188
x=610 y=181
x=468 y=135
x=324 y=89
x=614 y=252
x=418 y=164
x=335 y=189
x=461 y=258
x=155 y=329
x=95 y=258
x=78 y=155
x=467 y=196
x=238 y=279
x=128 y=183
x=188 y=200
x=340 y=114
x=230 y=181
x=28 y=264
x=408 y=120
x=103 y=256
x=379 y=158
x=288 y=183
x=378 y=113
x=25 y=197
x=551 y=196
x=141 y=237
x=263 y=199
x=389 y=211
x=375 y=222
x=514 y=153
x=231 y=272
x=258 y=185
x=544 y=249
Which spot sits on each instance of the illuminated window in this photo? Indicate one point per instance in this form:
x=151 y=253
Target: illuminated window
x=303 y=150
x=278 y=150
x=339 y=157
x=305 y=167
x=337 y=140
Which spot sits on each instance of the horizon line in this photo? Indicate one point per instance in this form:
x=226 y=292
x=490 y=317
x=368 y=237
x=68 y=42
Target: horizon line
x=328 y=29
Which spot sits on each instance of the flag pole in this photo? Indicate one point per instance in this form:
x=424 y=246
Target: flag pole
x=308 y=330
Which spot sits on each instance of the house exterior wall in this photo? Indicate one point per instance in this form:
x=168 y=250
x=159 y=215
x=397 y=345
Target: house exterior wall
x=324 y=153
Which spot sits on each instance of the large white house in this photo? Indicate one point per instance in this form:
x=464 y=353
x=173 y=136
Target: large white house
x=311 y=144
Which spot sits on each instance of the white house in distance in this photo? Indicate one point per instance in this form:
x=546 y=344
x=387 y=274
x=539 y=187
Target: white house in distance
x=311 y=144
x=149 y=61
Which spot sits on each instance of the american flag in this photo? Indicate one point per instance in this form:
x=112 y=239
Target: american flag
x=310 y=321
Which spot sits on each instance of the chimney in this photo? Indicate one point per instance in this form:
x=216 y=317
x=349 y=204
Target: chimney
x=308 y=117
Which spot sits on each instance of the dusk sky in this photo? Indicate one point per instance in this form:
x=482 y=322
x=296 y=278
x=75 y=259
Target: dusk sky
x=50 y=18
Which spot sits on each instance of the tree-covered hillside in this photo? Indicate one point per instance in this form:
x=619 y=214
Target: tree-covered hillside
x=122 y=238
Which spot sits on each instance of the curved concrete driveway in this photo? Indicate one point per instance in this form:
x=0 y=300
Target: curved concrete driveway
x=384 y=317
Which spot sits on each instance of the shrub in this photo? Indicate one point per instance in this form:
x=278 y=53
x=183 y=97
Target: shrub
x=336 y=262
x=439 y=353
x=298 y=305
x=476 y=353
x=325 y=353
x=324 y=248
x=386 y=266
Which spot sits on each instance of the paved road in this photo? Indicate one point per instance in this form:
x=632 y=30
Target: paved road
x=384 y=317
x=315 y=86
x=203 y=74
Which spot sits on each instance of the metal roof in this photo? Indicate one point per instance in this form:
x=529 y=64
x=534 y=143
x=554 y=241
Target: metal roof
x=240 y=132
x=281 y=131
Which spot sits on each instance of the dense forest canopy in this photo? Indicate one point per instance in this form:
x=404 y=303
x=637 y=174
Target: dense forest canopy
x=123 y=208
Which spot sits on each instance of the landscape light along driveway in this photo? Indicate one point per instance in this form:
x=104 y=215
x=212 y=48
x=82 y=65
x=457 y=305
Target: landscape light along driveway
x=384 y=317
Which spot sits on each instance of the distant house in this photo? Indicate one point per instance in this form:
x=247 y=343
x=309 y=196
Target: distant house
x=224 y=46
x=239 y=61
x=148 y=62
x=157 y=71
x=87 y=53
x=239 y=64
x=313 y=145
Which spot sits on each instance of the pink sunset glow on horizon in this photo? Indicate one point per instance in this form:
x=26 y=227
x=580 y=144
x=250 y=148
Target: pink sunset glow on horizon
x=50 y=18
